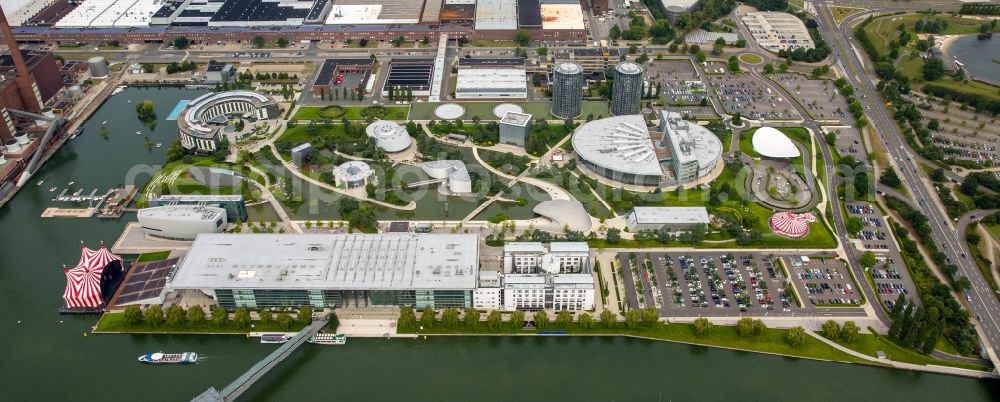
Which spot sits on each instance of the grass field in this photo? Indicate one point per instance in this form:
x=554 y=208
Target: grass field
x=153 y=256
x=841 y=13
x=770 y=341
x=751 y=58
x=351 y=113
x=882 y=30
x=870 y=344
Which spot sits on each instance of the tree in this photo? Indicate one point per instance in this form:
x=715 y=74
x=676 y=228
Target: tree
x=284 y=320
x=587 y=321
x=564 y=318
x=471 y=318
x=132 y=315
x=306 y=315
x=494 y=320
x=702 y=326
x=633 y=318
x=241 y=317
x=748 y=327
x=868 y=259
x=219 y=315
x=890 y=178
x=282 y=42
x=542 y=51
x=427 y=317
x=933 y=69
x=734 y=64
x=541 y=319
x=265 y=316
x=522 y=37
x=650 y=316
x=769 y=68
x=854 y=225
x=849 y=332
x=145 y=108
x=616 y=32
x=613 y=236
x=831 y=330
x=517 y=319
x=449 y=317
x=258 y=41
x=608 y=319
x=407 y=318
x=154 y=315
x=181 y=43
x=796 y=337
x=176 y=316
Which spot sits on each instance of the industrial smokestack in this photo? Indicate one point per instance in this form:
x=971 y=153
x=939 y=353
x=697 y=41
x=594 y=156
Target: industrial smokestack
x=27 y=87
x=15 y=51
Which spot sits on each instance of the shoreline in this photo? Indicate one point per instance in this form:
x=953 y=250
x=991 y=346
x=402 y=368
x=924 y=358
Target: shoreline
x=945 y=43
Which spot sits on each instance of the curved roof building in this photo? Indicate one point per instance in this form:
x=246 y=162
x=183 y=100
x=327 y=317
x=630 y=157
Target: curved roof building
x=620 y=149
x=565 y=213
x=199 y=126
x=352 y=174
x=771 y=143
x=389 y=136
x=181 y=222
x=453 y=171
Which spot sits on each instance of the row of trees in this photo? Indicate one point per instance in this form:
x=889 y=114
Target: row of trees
x=178 y=317
x=472 y=319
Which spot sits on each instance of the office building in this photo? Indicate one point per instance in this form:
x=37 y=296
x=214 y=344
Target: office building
x=300 y=152
x=674 y=9
x=219 y=73
x=534 y=277
x=352 y=174
x=332 y=270
x=236 y=208
x=201 y=124
x=515 y=128
x=567 y=90
x=181 y=222
x=627 y=91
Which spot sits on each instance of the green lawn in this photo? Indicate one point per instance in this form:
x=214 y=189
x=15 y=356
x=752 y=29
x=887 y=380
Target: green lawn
x=884 y=29
x=351 y=113
x=911 y=66
x=746 y=146
x=153 y=256
x=751 y=58
x=590 y=202
x=870 y=344
x=115 y=322
x=183 y=185
x=841 y=13
x=484 y=110
x=771 y=341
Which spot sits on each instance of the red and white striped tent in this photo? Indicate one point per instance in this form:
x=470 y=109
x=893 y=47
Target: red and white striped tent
x=83 y=282
x=791 y=225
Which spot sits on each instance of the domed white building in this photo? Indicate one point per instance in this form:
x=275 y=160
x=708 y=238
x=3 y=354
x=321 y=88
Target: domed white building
x=389 y=136
x=774 y=144
x=352 y=174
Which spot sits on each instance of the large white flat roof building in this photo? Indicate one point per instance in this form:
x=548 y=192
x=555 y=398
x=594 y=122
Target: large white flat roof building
x=776 y=31
x=484 y=83
x=619 y=143
x=670 y=218
x=496 y=14
x=387 y=261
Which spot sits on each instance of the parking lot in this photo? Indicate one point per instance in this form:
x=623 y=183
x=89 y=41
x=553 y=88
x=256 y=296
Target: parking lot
x=706 y=284
x=680 y=83
x=821 y=99
x=823 y=281
x=751 y=98
x=889 y=274
x=962 y=134
x=848 y=142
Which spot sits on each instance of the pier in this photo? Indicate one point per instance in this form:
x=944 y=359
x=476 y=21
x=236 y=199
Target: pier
x=243 y=383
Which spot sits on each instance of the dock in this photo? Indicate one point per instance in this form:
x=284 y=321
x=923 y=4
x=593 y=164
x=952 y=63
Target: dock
x=53 y=212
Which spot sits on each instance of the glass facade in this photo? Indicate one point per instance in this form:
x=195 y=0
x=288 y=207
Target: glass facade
x=269 y=298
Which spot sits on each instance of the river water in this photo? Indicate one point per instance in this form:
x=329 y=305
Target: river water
x=47 y=357
x=981 y=57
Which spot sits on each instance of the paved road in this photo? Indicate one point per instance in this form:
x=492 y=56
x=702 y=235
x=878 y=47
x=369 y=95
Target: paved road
x=984 y=303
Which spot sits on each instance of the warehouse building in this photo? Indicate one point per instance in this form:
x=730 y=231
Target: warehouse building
x=562 y=14
x=19 y=12
x=671 y=219
x=415 y=74
x=361 y=12
x=496 y=15
x=491 y=83
x=332 y=270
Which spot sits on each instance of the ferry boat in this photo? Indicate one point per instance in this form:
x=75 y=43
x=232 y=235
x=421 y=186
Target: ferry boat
x=118 y=90
x=76 y=133
x=328 y=339
x=169 y=358
x=274 y=338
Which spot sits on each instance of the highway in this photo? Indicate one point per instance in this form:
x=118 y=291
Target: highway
x=984 y=305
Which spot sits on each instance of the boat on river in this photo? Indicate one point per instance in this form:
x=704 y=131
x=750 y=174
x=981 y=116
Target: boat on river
x=328 y=339
x=169 y=358
x=274 y=338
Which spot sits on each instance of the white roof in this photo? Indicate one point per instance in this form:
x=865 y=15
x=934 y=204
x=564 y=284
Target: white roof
x=195 y=213
x=496 y=14
x=690 y=142
x=20 y=11
x=619 y=143
x=569 y=213
x=562 y=16
x=352 y=171
x=388 y=135
x=569 y=246
x=678 y=5
x=111 y=13
x=523 y=247
x=516 y=119
x=669 y=215
x=491 y=80
x=362 y=12
x=387 y=261
x=771 y=143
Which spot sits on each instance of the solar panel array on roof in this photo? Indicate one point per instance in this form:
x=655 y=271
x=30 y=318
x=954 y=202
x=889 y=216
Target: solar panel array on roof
x=415 y=74
x=329 y=69
x=146 y=281
x=529 y=13
x=264 y=12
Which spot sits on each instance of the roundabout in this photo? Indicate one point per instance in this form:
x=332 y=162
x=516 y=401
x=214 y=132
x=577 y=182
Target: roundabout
x=751 y=58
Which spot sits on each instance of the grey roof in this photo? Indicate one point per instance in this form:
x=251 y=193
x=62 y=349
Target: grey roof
x=565 y=212
x=301 y=147
x=691 y=142
x=669 y=215
x=619 y=143
x=199 y=198
x=629 y=68
x=516 y=119
x=195 y=213
x=387 y=261
x=568 y=68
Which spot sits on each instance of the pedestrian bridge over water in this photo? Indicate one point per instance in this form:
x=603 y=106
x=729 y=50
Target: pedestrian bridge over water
x=236 y=388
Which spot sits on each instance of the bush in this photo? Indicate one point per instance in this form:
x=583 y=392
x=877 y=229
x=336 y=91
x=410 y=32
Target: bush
x=702 y=326
x=133 y=315
x=748 y=327
x=796 y=337
x=831 y=330
x=153 y=315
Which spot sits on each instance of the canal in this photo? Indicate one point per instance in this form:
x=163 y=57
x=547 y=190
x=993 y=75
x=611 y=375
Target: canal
x=49 y=357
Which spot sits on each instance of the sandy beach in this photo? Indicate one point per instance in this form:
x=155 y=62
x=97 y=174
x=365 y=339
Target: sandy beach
x=944 y=41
